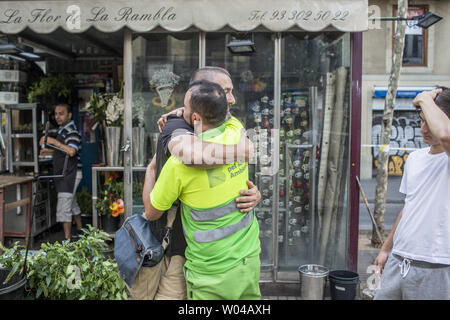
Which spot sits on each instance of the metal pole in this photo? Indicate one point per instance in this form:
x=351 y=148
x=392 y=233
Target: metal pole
x=202 y=49
x=276 y=150
x=35 y=142
x=94 y=198
x=127 y=95
x=393 y=19
x=355 y=150
x=312 y=164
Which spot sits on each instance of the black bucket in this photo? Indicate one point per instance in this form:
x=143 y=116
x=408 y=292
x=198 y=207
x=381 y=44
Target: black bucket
x=110 y=224
x=343 y=284
x=14 y=289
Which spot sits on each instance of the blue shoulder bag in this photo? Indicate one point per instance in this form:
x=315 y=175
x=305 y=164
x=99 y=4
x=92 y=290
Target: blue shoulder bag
x=134 y=243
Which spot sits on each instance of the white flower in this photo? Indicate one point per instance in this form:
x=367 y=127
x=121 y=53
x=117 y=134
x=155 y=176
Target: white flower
x=139 y=108
x=114 y=110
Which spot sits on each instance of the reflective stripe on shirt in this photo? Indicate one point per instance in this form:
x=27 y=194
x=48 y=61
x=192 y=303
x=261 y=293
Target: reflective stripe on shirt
x=213 y=214
x=220 y=233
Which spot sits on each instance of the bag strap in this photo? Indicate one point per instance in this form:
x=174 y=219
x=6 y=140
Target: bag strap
x=171 y=215
x=137 y=249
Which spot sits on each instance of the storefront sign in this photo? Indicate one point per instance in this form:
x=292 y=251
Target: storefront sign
x=9 y=97
x=12 y=76
x=404 y=97
x=178 y=15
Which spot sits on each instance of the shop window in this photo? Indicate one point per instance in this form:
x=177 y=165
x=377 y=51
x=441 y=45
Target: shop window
x=253 y=81
x=162 y=66
x=415 y=51
x=315 y=90
x=306 y=188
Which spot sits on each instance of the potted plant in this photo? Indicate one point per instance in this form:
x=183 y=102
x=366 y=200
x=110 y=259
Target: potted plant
x=84 y=200
x=107 y=110
x=139 y=139
x=68 y=270
x=110 y=203
x=50 y=87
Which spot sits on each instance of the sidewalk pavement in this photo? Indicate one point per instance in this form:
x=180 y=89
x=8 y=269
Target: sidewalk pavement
x=366 y=253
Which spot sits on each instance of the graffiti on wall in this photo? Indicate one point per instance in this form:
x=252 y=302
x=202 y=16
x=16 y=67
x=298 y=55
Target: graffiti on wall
x=405 y=138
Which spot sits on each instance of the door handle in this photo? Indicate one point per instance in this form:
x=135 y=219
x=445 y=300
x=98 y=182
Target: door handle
x=126 y=147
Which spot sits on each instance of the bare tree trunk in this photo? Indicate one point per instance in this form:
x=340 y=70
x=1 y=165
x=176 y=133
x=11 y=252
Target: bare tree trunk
x=383 y=156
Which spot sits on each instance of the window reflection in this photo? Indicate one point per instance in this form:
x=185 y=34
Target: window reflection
x=162 y=66
x=315 y=112
x=253 y=78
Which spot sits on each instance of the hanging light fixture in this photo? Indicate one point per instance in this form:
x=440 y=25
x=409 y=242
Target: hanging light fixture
x=14 y=50
x=242 y=47
x=428 y=19
x=424 y=21
x=9 y=48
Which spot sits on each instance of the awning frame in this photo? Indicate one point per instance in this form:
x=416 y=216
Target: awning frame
x=178 y=15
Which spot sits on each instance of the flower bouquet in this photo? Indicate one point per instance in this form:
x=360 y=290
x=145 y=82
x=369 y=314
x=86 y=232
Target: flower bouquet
x=110 y=204
x=107 y=110
x=139 y=108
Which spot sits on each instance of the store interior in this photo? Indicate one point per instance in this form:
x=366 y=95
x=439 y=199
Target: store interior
x=298 y=140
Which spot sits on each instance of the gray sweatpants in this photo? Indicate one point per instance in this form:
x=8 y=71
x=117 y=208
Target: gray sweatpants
x=406 y=279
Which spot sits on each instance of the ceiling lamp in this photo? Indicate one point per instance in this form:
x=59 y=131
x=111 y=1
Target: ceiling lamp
x=242 y=47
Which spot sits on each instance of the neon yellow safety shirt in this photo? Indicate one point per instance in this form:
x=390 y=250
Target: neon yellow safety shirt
x=218 y=235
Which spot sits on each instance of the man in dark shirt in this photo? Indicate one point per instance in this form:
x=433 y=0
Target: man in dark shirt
x=172 y=284
x=69 y=141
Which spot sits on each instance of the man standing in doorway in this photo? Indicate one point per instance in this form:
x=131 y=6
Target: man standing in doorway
x=415 y=258
x=222 y=254
x=68 y=141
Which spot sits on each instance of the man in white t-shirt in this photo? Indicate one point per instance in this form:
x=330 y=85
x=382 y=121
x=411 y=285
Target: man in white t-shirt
x=417 y=250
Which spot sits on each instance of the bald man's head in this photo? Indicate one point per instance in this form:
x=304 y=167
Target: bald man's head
x=208 y=73
x=217 y=75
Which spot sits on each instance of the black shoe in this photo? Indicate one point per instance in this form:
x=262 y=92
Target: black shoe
x=76 y=234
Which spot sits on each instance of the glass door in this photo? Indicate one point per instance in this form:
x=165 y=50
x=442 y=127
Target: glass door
x=253 y=81
x=162 y=66
x=314 y=150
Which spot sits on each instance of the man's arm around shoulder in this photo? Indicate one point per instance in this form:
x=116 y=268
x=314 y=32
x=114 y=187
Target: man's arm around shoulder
x=160 y=195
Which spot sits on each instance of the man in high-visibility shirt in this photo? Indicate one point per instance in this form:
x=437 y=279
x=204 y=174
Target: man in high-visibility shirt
x=222 y=254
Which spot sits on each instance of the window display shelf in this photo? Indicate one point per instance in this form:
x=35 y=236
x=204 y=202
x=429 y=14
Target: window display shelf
x=17 y=146
x=22 y=135
x=23 y=156
x=294 y=172
x=24 y=163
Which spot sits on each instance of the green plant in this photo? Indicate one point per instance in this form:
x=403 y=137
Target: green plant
x=84 y=200
x=110 y=200
x=59 y=85
x=69 y=270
